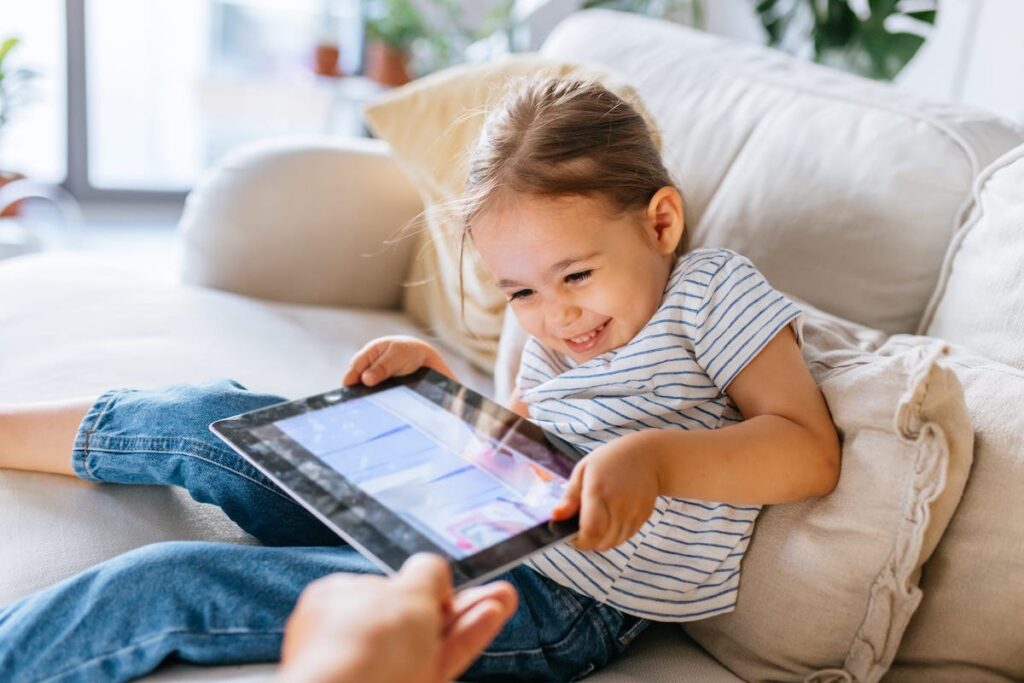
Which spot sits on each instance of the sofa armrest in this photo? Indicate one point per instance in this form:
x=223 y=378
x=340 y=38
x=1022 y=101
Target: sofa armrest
x=304 y=221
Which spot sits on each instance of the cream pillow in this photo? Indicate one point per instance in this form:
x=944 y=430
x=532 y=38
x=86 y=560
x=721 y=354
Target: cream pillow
x=970 y=624
x=431 y=126
x=980 y=302
x=829 y=585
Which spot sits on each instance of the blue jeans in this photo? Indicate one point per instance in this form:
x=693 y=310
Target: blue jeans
x=219 y=603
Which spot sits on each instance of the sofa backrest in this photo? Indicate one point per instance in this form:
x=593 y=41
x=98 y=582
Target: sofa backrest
x=843 y=191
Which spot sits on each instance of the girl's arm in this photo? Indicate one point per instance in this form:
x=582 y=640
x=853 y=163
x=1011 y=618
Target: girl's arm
x=786 y=449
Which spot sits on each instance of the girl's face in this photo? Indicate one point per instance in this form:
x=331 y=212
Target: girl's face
x=580 y=278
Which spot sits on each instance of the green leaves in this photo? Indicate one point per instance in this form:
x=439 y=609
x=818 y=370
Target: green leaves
x=875 y=38
x=6 y=47
x=14 y=85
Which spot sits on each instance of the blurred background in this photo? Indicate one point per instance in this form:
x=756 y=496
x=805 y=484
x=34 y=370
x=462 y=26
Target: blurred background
x=111 y=109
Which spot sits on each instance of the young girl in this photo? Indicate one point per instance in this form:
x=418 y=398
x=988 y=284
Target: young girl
x=679 y=373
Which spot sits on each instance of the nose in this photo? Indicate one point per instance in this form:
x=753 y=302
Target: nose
x=561 y=314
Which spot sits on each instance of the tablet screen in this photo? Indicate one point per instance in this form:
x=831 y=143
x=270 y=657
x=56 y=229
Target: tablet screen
x=454 y=481
x=418 y=463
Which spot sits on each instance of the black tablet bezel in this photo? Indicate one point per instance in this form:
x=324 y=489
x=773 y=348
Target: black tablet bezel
x=359 y=518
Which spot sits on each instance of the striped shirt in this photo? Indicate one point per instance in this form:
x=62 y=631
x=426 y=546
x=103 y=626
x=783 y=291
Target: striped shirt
x=716 y=315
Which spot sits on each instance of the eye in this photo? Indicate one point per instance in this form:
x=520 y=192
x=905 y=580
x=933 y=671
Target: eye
x=521 y=294
x=578 y=277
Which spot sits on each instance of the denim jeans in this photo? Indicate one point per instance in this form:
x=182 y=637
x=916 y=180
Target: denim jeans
x=219 y=603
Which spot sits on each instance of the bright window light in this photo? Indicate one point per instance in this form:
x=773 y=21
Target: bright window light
x=34 y=141
x=174 y=84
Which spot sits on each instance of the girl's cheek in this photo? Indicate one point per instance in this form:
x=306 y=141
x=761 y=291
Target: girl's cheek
x=534 y=325
x=526 y=319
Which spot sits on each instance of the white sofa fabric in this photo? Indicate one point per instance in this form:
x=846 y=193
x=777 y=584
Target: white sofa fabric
x=985 y=259
x=843 y=192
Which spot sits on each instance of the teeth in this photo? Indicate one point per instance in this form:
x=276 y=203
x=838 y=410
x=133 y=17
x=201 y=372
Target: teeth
x=586 y=337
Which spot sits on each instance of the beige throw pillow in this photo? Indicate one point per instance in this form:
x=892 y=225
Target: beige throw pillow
x=829 y=585
x=970 y=624
x=980 y=301
x=431 y=126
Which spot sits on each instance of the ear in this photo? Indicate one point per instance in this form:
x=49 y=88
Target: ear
x=664 y=219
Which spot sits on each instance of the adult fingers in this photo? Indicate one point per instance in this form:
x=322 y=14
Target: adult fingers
x=429 y=575
x=466 y=599
x=474 y=629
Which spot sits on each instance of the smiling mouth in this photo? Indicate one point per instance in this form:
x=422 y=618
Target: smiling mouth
x=587 y=340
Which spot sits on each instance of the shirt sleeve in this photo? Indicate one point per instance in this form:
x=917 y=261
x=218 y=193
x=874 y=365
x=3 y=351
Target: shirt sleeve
x=739 y=314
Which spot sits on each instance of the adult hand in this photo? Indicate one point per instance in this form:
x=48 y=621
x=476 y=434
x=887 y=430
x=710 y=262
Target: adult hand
x=613 y=488
x=408 y=628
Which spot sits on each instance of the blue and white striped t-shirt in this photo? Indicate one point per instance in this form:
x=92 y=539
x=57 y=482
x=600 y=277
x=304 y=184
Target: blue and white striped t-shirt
x=717 y=313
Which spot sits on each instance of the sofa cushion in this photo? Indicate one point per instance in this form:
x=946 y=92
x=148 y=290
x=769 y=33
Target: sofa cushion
x=830 y=584
x=842 y=191
x=980 y=302
x=969 y=626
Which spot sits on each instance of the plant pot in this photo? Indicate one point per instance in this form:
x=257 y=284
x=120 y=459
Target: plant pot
x=15 y=208
x=386 y=64
x=325 y=60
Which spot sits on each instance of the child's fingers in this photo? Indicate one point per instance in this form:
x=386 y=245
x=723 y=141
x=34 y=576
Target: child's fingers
x=380 y=368
x=570 y=503
x=594 y=520
x=383 y=361
x=615 y=534
x=361 y=361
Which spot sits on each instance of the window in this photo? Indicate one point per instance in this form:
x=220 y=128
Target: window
x=171 y=85
x=35 y=138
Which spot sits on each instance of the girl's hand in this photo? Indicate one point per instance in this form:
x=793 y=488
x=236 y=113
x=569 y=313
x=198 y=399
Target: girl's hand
x=614 y=488
x=393 y=356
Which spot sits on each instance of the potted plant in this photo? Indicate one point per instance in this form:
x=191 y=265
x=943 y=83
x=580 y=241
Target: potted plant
x=874 y=38
x=14 y=90
x=391 y=28
x=411 y=37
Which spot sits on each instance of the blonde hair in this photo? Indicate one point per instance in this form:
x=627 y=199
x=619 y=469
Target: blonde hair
x=555 y=137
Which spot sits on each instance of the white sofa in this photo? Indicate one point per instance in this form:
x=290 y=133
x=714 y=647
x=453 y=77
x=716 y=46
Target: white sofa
x=803 y=169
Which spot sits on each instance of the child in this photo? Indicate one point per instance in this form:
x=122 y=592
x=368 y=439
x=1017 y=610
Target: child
x=679 y=374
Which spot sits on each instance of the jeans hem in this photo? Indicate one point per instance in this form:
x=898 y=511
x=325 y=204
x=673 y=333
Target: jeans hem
x=80 y=449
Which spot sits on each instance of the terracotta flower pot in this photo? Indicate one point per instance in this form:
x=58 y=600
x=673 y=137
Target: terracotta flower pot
x=387 y=65
x=325 y=60
x=13 y=209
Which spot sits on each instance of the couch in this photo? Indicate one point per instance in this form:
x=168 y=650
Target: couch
x=861 y=201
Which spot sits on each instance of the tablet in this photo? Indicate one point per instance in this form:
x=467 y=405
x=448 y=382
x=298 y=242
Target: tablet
x=416 y=463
